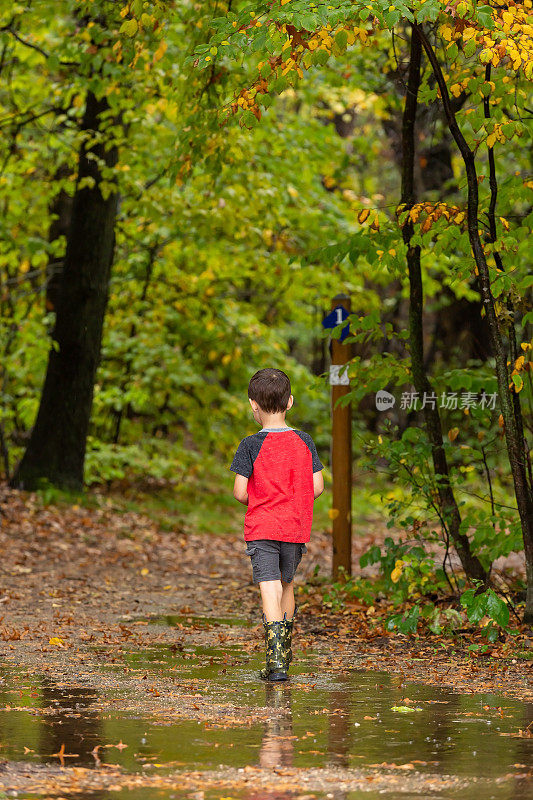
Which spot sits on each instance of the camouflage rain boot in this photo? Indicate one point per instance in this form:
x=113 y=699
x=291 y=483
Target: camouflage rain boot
x=287 y=643
x=276 y=659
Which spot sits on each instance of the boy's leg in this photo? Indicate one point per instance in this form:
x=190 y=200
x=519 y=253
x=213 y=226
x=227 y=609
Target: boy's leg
x=266 y=572
x=287 y=599
x=271 y=595
x=290 y=556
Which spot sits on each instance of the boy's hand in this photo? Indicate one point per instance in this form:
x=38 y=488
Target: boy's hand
x=240 y=489
x=318 y=483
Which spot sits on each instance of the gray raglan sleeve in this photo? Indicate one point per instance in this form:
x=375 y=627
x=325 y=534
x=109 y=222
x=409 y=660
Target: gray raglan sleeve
x=317 y=464
x=242 y=460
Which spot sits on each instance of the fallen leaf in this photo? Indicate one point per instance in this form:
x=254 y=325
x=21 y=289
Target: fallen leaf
x=405 y=709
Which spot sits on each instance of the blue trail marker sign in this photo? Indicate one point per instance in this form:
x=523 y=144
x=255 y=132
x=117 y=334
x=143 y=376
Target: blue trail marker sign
x=336 y=317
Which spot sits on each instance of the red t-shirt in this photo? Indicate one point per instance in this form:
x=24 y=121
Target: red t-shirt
x=279 y=464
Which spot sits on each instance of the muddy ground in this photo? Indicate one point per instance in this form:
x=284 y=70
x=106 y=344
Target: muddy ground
x=79 y=590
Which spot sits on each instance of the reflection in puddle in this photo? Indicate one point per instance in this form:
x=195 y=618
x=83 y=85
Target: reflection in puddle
x=349 y=719
x=277 y=742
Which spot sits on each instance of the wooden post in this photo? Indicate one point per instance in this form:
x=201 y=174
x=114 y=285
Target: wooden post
x=341 y=456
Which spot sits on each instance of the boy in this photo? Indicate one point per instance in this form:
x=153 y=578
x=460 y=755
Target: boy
x=278 y=476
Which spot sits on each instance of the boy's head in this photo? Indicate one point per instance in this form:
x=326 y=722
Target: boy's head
x=270 y=390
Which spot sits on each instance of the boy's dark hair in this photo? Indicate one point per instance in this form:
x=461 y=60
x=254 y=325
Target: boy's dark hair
x=271 y=389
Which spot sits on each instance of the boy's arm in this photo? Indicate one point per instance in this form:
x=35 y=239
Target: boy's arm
x=240 y=489
x=318 y=484
x=242 y=466
x=318 y=466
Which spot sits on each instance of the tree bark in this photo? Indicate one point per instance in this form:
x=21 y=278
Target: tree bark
x=56 y=450
x=514 y=442
x=446 y=498
x=491 y=214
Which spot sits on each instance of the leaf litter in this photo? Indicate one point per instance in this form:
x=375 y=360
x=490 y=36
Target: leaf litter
x=84 y=594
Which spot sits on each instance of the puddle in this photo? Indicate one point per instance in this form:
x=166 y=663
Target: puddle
x=191 y=620
x=317 y=720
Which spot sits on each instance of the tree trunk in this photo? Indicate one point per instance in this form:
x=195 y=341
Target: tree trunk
x=514 y=441
x=455 y=330
x=446 y=498
x=56 y=450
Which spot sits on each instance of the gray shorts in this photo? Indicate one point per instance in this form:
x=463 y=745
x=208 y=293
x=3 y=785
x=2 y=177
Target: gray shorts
x=273 y=560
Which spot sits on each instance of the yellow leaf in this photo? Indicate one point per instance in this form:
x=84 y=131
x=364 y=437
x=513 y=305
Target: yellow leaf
x=160 y=52
x=397 y=572
x=453 y=433
x=129 y=27
x=145 y=571
x=363 y=215
x=24 y=265
x=56 y=641
x=491 y=139
x=333 y=513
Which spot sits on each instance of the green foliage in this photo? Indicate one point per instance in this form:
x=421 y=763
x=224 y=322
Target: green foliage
x=439 y=620
x=406 y=570
x=257 y=178
x=405 y=623
x=486 y=603
x=206 y=285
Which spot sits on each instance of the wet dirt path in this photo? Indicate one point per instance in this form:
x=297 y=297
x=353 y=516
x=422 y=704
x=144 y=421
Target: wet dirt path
x=125 y=670
x=194 y=721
